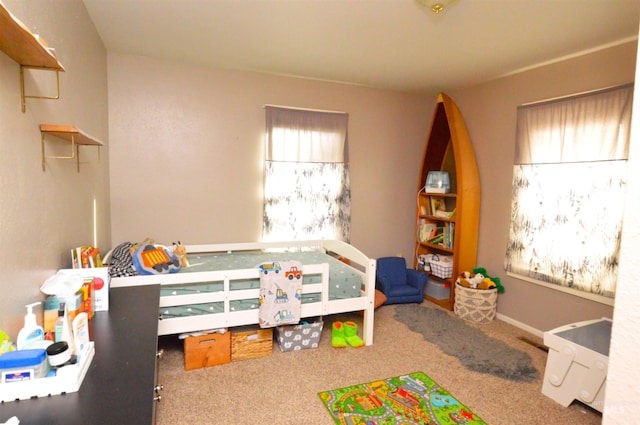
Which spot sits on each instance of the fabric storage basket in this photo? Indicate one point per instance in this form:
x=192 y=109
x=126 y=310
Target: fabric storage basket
x=251 y=342
x=475 y=305
x=299 y=337
x=441 y=265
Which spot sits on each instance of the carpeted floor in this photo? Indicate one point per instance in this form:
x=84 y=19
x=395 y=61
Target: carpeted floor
x=282 y=388
x=475 y=350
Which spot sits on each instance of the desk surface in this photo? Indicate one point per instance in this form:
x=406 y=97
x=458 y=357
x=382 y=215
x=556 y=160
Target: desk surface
x=119 y=385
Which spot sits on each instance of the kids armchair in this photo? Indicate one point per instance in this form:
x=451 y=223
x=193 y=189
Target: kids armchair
x=398 y=283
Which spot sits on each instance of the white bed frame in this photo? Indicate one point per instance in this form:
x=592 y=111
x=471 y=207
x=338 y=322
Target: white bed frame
x=363 y=265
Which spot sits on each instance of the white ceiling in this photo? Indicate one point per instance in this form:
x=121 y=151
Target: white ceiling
x=392 y=44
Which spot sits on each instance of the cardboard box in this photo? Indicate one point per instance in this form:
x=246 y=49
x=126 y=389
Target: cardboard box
x=207 y=350
x=300 y=337
x=101 y=280
x=251 y=342
x=87 y=293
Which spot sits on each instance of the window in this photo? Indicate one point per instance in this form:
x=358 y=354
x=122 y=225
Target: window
x=569 y=185
x=306 y=180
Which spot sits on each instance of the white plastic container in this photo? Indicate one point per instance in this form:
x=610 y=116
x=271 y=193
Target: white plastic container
x=31 y=331
x=67 y=382
x=23 y=365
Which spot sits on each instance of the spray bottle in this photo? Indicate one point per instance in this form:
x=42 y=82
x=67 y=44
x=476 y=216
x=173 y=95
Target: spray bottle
x=31 y=331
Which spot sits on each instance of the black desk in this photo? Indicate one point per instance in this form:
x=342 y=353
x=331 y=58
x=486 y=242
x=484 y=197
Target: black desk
x=119 y=386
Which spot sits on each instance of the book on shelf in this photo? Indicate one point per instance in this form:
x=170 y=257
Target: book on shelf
x=85 y=257
x=448 y=235
x=425 y=230
x=445 y=214
x=443 y=236
x=437 y=236
x=436 y=203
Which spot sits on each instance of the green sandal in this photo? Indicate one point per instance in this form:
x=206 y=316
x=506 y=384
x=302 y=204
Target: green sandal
x=351 y=334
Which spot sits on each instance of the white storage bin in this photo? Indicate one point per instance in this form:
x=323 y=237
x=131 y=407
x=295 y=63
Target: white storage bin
x=577 y=363
x=68 y=381
x=441 y=265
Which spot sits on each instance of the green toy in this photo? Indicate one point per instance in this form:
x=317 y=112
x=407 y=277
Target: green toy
x=495 y=280
x=5 y=343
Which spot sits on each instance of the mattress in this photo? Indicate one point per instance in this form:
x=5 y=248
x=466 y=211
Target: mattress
x=344 y=281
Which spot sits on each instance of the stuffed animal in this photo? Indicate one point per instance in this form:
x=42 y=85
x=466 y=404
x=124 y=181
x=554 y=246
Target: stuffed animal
x=487 y=284
x=470 y=280
x=495 y=280
x=478 y=279
x=180 y=251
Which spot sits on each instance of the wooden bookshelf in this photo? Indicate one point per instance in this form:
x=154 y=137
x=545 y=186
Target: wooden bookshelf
x=449 y=149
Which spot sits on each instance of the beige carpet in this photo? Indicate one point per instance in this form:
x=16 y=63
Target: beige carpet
x=282 y=388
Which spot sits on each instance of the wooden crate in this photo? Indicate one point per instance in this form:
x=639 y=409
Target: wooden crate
x=250 y=343
x=207 y=350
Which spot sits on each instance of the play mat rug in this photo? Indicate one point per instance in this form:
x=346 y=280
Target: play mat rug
x=408 y=399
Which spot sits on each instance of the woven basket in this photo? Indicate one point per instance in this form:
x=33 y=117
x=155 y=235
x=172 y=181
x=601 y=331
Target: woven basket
x=475 y=305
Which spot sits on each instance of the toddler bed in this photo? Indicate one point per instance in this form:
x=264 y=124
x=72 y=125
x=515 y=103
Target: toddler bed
x=220 y=288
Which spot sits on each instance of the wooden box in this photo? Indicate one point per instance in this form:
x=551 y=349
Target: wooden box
x=207 y=350
x=251 y=343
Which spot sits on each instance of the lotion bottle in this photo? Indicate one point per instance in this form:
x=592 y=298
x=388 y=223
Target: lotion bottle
x=59 y=325
x=80 y=327
x=31 y=331
x=67 y=332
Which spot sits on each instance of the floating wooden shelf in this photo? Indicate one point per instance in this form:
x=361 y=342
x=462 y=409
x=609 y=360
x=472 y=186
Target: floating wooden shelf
x=71 y=134
x=27 y=49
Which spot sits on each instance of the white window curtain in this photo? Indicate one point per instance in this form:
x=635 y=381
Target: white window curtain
x=569 y=185
x=307 y=191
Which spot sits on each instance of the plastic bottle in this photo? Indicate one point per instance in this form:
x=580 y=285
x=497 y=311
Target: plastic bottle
x=80 y=327
x=31 y=331
x=59 y=325
x=67 y=332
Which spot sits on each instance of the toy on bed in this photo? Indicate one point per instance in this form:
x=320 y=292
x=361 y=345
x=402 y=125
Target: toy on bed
x=155 y=259
x=180 y=251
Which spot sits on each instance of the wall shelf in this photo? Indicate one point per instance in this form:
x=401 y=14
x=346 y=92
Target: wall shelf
x=28 y=50
x=71 y=134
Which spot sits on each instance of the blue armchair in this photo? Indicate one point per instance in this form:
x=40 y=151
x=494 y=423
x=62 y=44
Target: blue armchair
x=398 y=283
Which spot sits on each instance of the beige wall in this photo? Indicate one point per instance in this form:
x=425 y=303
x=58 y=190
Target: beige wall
x=44 y=214
x=490 y=115
x=186 y=147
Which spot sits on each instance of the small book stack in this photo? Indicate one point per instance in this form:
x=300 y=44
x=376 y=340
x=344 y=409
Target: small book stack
x=85 y=257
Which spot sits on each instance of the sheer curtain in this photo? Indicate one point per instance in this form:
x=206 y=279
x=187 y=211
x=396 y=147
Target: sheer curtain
x=306 y=181
x=569 y=185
